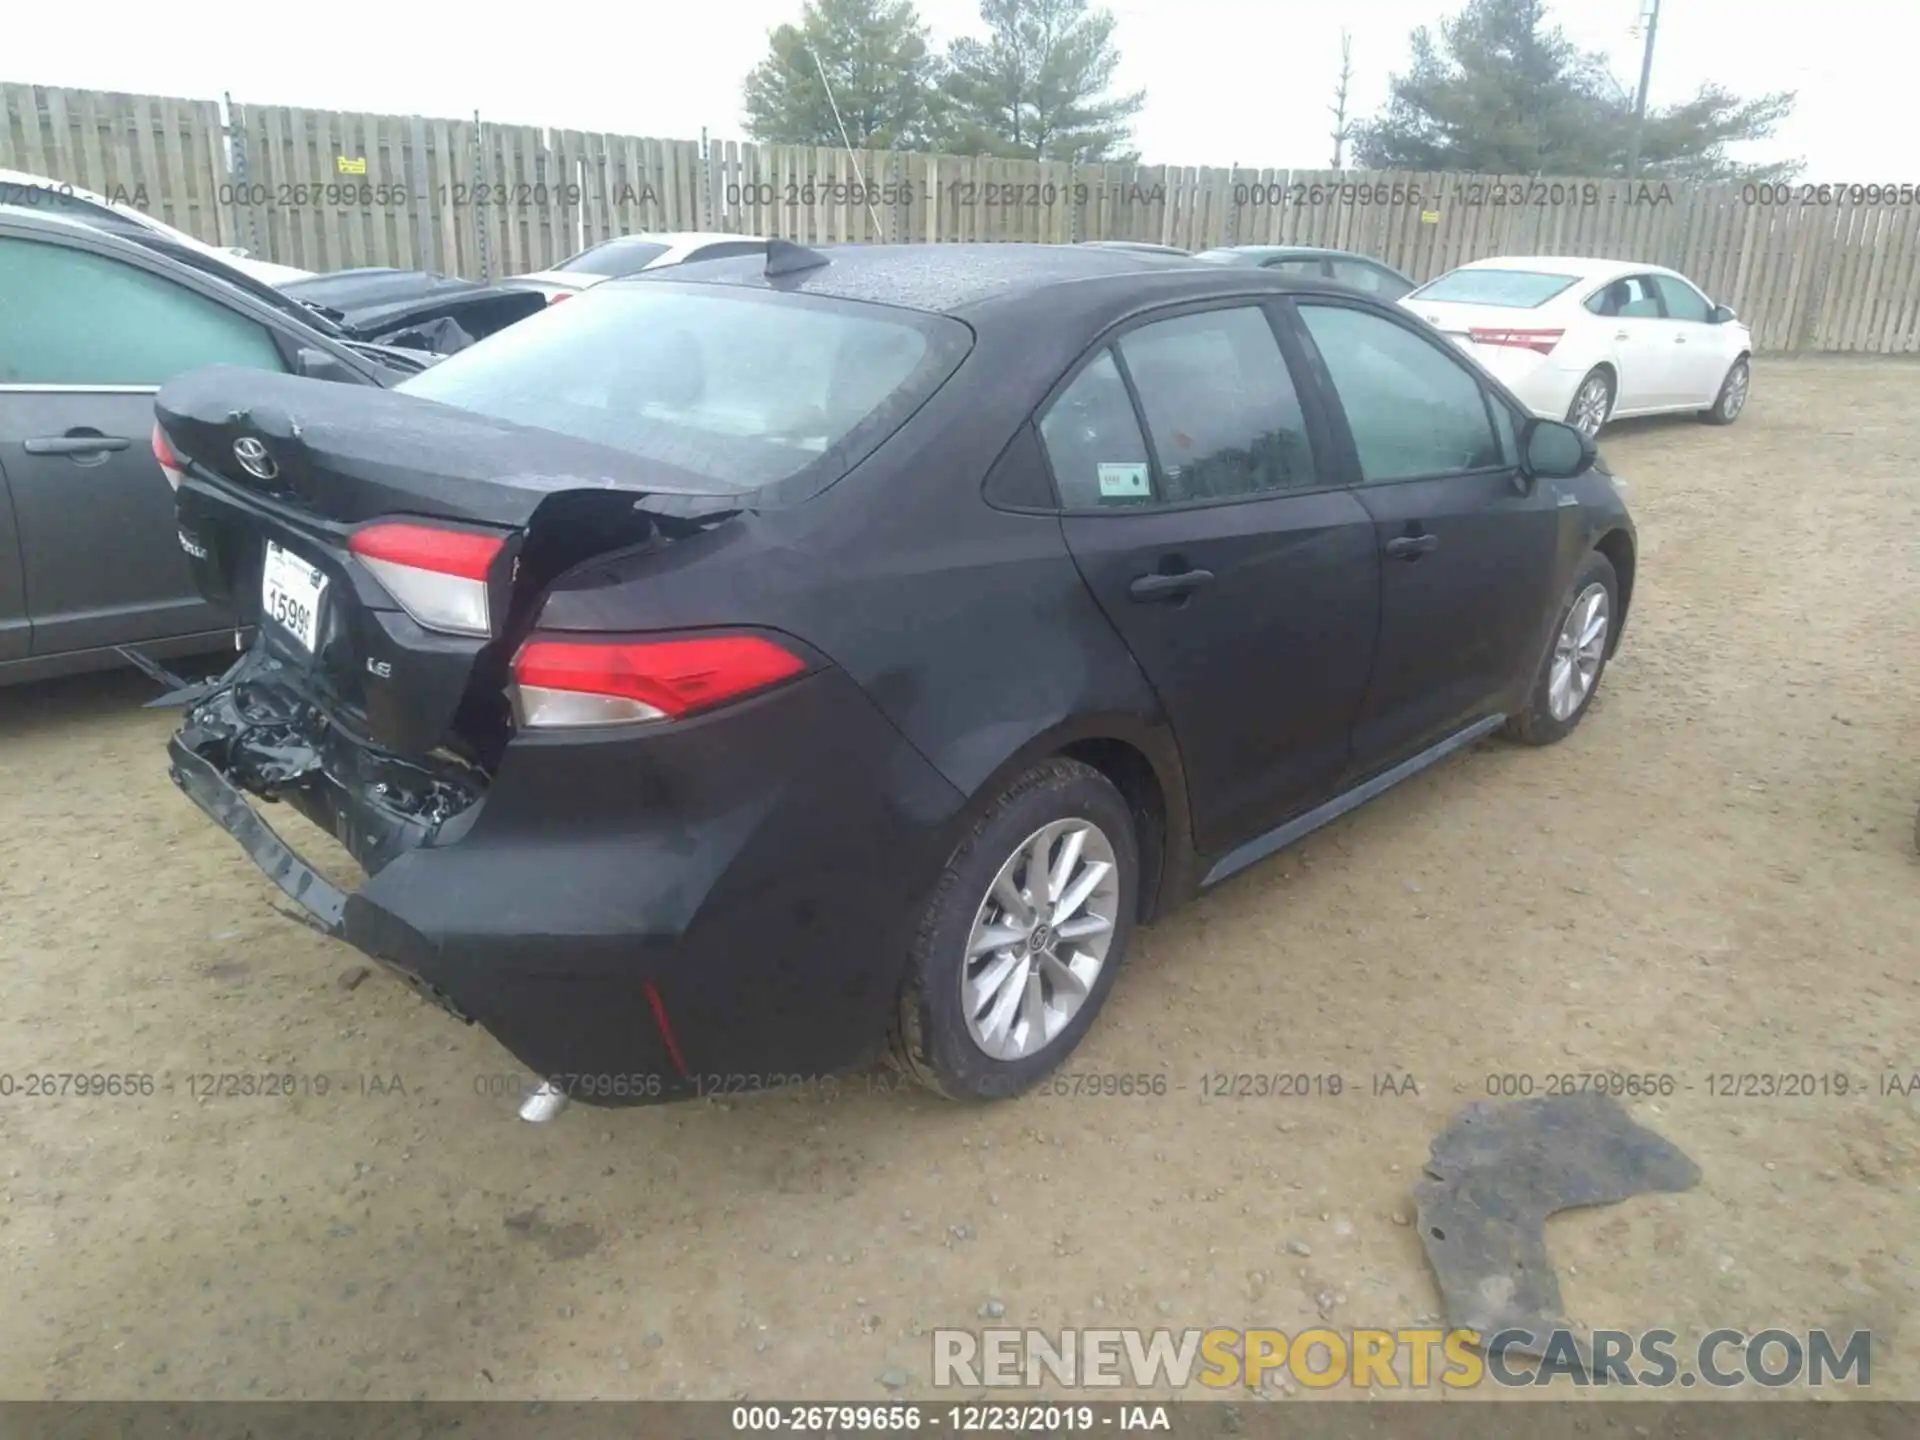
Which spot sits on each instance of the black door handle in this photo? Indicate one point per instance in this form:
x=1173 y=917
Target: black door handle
x=1411 y=547
x=1169 y=587
x=75 y=444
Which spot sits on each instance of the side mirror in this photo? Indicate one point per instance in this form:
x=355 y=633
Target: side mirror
x=1720 y=315
x=1552 y=450
x=319 y=365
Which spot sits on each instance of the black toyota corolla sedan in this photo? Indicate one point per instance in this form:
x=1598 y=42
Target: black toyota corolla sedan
x=730 y=676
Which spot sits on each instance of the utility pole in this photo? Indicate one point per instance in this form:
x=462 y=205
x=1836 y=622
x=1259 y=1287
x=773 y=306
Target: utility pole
x=1652 y=19
x=1341 y=130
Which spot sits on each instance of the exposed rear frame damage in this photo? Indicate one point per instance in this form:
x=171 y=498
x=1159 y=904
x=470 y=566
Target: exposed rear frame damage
x=286 y=749
x=268 y=740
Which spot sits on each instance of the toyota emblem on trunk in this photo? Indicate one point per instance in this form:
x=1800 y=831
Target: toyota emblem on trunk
x=254 y=459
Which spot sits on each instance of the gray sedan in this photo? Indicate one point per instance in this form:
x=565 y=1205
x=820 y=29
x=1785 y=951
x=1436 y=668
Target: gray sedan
x=1343 y=267
x=90 y=555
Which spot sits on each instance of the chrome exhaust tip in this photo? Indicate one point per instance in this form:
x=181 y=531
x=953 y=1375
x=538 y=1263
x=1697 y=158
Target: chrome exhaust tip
x=543 y=1104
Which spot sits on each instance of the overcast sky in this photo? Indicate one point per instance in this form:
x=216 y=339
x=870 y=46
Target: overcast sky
x=1241 y=82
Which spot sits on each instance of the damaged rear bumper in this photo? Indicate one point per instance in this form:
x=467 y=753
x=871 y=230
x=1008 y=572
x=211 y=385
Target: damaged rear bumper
x=323 y=904
x=637 y=914
x=322 y=900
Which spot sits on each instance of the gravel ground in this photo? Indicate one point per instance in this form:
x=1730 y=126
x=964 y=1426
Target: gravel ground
x=1715 y=874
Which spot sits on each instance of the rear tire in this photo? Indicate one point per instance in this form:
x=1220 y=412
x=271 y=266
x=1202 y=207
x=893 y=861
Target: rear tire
x=1592 y=403
x=1034 y=998
x=1570 y=671
x=1729 y=404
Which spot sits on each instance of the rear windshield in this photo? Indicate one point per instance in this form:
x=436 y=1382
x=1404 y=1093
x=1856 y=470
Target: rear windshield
x=616 y=257
x=746 y=388
x=1517 y=289
x=1227 y=257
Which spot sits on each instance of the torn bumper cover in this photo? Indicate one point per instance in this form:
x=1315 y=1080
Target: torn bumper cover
x=1494 y=1176
x=283 y=749
x=325 y=902
x=631 y=920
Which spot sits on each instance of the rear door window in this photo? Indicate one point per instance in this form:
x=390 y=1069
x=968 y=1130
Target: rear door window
x=1631 y=298
x=1221 y=410
x=77 y=318
x=1093 y=442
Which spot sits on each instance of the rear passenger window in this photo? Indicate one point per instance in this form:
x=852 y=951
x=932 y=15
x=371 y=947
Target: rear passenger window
x=1094 y=444
x=1369 y=279
x=1628 y=299
x=1414 y=410
x=1220 y=406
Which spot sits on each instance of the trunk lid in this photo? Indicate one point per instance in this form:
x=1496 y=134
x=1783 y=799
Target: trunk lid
x=1514 y=340
x=1454 y=319
x=281 y=474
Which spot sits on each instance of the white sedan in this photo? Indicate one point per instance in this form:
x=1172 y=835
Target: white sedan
x=629 y=255
x=1588 y=341
x=57 y=197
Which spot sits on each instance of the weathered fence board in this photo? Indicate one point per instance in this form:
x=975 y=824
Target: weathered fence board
x=322 y=190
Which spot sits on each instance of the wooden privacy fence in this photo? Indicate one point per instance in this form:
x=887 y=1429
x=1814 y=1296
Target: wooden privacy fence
x=1811 y=268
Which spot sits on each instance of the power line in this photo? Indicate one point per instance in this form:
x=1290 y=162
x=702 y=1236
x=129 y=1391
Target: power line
x=1640 y=98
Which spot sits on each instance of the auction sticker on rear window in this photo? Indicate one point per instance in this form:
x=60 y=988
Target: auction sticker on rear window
x=290 y=592
x=1126 y=480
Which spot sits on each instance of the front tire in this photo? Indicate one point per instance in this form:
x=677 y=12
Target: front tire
x=1732 y=399
x=1592 y=403
x=1020 y=941
x=1571 y=669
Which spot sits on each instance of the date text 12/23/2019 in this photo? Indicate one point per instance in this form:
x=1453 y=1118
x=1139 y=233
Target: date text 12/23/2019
x=198 y=1085
x=971 y=1419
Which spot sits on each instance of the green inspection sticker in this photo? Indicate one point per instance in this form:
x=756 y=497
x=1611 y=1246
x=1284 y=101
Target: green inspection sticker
x=1123 y=479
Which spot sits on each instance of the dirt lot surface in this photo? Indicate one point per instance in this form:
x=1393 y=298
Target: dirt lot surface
x=1714 y=876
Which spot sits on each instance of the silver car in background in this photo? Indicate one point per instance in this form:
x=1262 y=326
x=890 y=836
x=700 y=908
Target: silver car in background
x=629 y=255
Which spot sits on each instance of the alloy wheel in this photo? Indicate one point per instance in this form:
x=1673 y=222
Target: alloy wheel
x=1591 y=405
x=1040 y=938
x=1578 y=651
x=1736 y=392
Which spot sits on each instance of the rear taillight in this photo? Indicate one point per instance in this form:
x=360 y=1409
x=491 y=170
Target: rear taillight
x=558 y=296
x=439 y=577
x=565 y=683
x=169 y=462
x=1541 y=342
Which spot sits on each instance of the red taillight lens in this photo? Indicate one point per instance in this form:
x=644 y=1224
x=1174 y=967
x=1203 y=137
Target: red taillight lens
x=439 y=577
x=1541 y=342
x=462 y=553
x=558 y=296
x=564 y=683
x=169 y=462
